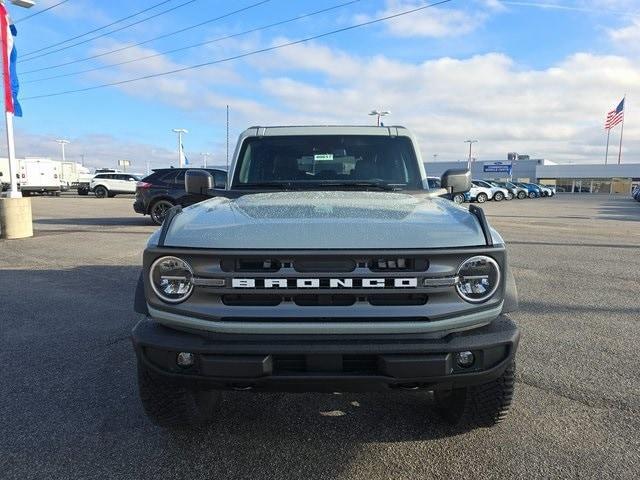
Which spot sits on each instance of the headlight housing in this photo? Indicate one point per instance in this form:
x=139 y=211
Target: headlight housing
x=478 y=278
x=171 y=279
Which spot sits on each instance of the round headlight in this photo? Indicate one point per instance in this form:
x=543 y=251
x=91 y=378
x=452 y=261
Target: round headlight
x=478 y=278
x=171 y=279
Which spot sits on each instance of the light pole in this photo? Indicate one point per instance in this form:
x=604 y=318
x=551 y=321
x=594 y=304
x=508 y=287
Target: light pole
x=379 y=114
x=470 y=142
x=205 y=156
x=180 y=132
x=62 y=143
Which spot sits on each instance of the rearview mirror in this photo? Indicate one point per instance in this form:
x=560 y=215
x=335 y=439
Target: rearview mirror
x=198 y=182
x=456 y=180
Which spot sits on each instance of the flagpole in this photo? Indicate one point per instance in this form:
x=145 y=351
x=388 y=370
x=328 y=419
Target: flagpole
x=624 y=106
x=606 y=152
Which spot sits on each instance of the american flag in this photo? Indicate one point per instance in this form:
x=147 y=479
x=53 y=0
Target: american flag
x=614 y=117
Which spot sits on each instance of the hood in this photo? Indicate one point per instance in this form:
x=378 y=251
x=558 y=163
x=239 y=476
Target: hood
x=321 y=220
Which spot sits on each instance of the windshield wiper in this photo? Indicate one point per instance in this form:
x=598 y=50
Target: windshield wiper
x=363 y=185
x=269 y=185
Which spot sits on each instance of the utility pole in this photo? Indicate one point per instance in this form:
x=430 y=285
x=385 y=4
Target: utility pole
x=180 y=132
x=62 y=142
x=470 y=142
x=379 y=114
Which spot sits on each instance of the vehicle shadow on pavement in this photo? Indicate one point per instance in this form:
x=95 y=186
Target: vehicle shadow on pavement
x=74 y=395
x=98 y=221
x=625 y=210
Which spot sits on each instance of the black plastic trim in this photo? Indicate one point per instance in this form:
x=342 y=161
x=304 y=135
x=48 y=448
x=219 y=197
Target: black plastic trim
x=479 y=214
x=171 y=214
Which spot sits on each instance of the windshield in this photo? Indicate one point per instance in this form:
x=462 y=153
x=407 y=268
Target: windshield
x=339 y=161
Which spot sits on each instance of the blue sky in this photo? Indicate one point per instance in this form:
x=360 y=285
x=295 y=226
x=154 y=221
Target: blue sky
x=533 y=76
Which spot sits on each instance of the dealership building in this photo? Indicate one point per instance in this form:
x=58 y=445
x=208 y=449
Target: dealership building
x=567 y=177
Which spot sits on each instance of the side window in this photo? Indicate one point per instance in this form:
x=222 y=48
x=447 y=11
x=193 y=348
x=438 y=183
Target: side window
x=168 y=177
x=179 y=179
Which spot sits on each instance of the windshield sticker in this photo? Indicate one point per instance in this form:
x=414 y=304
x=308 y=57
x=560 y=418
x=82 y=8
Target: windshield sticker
x=323 y=157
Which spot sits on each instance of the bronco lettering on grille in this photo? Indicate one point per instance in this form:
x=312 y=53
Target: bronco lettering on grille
x=276 y=283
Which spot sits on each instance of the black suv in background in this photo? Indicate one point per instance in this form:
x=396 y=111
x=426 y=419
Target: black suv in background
x=164 y=188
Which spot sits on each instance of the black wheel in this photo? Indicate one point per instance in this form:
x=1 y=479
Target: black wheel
x=170 y=405
x=83 y=191
x=522 y=195
x=510 y=196
x=458 y=198
x=479 y=405
x=159 y=210
x=532 y=195
x=482 y=197
x=498 y=197
x=100 y=191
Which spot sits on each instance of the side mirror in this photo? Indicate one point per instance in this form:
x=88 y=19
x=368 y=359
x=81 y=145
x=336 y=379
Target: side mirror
x=198 y=182
x=220 y=182
x=456 y=180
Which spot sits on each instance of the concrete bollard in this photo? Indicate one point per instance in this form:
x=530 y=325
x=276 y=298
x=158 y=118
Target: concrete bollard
x=15 y=218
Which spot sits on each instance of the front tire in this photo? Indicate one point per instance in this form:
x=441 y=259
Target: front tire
x=510 y=196
x=482 y=197
x=458 y=198
x=479 y=405
x=522 y=195
x=498 y=197
x=532 y=195
x=170 y=405
x=100 y=191
x=159 y=210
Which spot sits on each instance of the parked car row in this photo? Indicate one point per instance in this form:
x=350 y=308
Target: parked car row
x=485 y=190
x=636 y=193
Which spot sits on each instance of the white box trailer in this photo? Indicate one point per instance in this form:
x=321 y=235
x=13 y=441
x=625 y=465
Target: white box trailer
x=5 y=180
x=39 y=175
x=71 y=172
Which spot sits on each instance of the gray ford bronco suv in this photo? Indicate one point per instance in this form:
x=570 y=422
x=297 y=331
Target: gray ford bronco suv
x=326 y=264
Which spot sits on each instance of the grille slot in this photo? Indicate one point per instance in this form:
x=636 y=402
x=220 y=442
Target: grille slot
x=324 y=300
x=251 y=265
x=398 y=264
x=309 y=265
x=399 y=299
x=252 y=300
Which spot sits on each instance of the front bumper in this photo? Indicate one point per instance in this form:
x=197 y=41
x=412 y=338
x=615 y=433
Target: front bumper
x=327 y=363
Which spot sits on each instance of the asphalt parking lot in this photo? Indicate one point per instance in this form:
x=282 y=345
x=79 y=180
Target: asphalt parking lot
x=69 y=406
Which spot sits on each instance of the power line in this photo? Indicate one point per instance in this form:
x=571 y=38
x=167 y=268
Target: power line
x=200 y=44
x=243 y=55
x=33 y=57
x=40 y=11
x=97 y=29
x=211 y=20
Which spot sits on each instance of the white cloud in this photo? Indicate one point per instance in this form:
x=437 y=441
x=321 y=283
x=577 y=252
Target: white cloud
x=555 y=112
x=434 y=22
x=627 y=37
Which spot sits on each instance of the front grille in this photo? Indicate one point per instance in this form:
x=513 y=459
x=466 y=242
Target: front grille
x=321 y=280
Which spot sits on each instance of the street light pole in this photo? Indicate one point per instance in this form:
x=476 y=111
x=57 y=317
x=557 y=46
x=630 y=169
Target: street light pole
x=379 y=114
x=62 y=144
x=180 y=132
x=470 y=142
x=205 y=156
